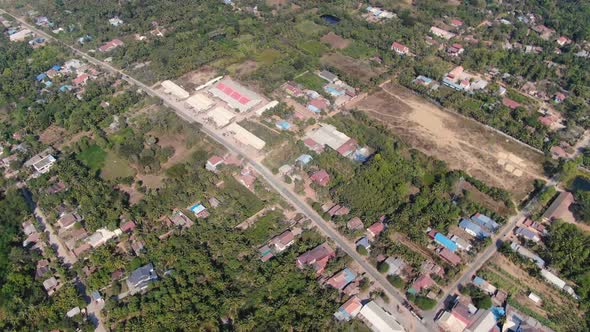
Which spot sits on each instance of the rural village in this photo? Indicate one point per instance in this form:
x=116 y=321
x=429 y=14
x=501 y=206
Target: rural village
x=410 y=185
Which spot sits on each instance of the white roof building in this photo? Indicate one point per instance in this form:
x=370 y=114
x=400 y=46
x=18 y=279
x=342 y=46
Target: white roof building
x=535 y=298
x=21 y=35
x=378 y=319
x=553 y=279
x=235 y=95
x=42 y=161
x=245 y=137
x=484 y=322
x=328 y=135
x=221 y=116
x=172 y=88
x=100 y=237
x=199 y=102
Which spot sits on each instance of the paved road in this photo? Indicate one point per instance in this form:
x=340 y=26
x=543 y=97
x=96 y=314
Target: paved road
x=407 y=320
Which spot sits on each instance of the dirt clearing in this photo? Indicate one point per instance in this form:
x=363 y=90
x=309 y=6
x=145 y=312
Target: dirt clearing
x=335 y=41
x=354 y=67
x=52 y=135
x=197 y=77
x=462 y=143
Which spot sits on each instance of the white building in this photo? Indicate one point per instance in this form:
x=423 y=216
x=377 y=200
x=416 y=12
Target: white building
x=245 y=137
x=199 y=102
x=173 y=89
x=379 y=320
x=41 y=162
x=21 y=35
x=220 y=116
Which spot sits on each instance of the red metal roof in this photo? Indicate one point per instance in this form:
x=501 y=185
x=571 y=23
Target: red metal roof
x=376 y=228
x=510 y=103
x=321 y=177
x=233 y=93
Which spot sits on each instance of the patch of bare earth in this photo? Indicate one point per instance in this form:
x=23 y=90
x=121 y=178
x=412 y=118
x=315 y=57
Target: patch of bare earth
x=335 y=41
x=73 y=139
x=52 y=135
x=134 y=195
x=354 y=67
x=178 y=143
x=462 y=143
x=197 y=77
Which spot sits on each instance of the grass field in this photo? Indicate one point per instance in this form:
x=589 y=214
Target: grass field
x=94 y=157
x=313 y=47
x=115 y=167
x=359 y=50
x=268 y=56
x=311 y=81
x=309 y=28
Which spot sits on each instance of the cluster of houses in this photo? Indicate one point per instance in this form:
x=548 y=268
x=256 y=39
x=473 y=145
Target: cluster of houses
x=326 y=135
x=376 y=14
x=73 y=75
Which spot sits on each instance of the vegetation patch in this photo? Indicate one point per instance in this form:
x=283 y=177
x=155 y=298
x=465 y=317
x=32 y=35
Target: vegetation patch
x=115 y=167
x=313 y=47
x=311 y=81
x=94 y=157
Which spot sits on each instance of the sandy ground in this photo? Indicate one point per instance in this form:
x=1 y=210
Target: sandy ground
x=52 y=135
x=335 y=41
x=461 y=143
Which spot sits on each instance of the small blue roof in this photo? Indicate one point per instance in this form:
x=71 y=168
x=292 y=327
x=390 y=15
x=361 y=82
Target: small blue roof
x=41 y=77
x=445 y=242
x=313 y=109
x=56 y=67
x=284 y=125
x=304 y=159
x=424 y=79
x=65 y=88
x=363 y=242
x=349 y=276
x=478 y=281
x=48 y=84
x=197 y=208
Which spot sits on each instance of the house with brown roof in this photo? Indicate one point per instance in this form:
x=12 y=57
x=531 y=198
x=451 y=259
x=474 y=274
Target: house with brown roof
x=67 y=220
x=355 y=224
x=283 y=241
x=374 y=230
x=349 y=309
x=400 y=48
x=321 y=177
x=317 y=258
x=449 y=256
x=512 y=104
x=559 y=209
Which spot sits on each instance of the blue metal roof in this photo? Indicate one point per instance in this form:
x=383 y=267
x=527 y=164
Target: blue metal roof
x=485 y=221
x=469 y=225
x=284 y=125
x=478 y=281
x=41 y=77
x=56 y=67
x=349 y=276
x=445 y=242
x=304 y=159
x=363 y=242
x=197 y=208
x=313 y=109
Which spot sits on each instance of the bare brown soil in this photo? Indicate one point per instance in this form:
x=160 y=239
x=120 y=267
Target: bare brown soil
x=362 y=70
x=52 y=135
x=462 y=143
x=335 y=41
x=197 y=77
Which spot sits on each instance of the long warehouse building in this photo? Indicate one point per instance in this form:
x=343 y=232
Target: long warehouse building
x=245 y=137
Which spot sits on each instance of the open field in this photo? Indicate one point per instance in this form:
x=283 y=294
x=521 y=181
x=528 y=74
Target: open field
x=335 y=41
x=462 y=143
x=309 y=28
x=94 y=157
x=115 y=167
x=52 y=135
x=354 y=67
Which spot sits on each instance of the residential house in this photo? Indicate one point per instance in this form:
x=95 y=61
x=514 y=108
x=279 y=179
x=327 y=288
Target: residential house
x=449 y=256
x=285 y=170
x=563 y=40
x=303 y=159
x=485 y=221
x=213 y=163
x=50 y=285
x=445 y=242
x=499 y=298
x=42 y=268
x=181 y=220
x=363 y=242
x=559 y=97
x=100 y=237
x=400 y=48
x=342 y=278
x=484 y=285
x=397 y=266
x=456 y=23
x=127 y=227
x=282 y=241
x=313 y=145
x=67 y=220
x=430 y=267
x=42 y=161
x=110 y=45
x=317 y=258
x=247 y=178
x=461 y=243
x=115 y=21
x=516 y=321
x=199 y=210
x=510 y=103
x=140 y=278
x=484 y=321
x=423 y=282
x=379 y=320
x=559 y=209
x=328 y=76
x=527 y=234
x=349 y=309
x=374 y=230
x=213 y=202
x=28 y=228
x=265 y=253
x=444 y=34
x=81 y=79
x=21 y=35
x=423 y=80
x=455 y=50
x=535 y=225
x=527 y=254
x=355 y=224
x=321 y=177
x=535 y=298
x=458 y=318
x=473 y=229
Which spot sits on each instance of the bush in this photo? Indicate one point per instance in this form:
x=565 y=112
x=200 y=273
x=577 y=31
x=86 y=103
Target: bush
x=396 y=281
x=425 y=303
x=362 y=250
x=383 y=267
